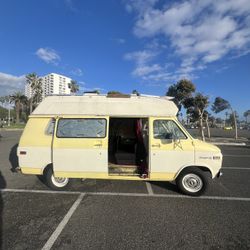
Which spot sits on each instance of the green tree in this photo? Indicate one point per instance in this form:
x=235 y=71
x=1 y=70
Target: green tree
x=182 y=90
x=35 y=84
x=135 y=92
x=246 y=115
x=219 y=121
x=18 y=99
x=5 y=100
x=220 y=105
x=74 y=87
x=196 y=108
x=230 y=120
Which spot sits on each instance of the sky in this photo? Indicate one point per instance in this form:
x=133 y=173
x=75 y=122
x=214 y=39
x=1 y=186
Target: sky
x=124 y=45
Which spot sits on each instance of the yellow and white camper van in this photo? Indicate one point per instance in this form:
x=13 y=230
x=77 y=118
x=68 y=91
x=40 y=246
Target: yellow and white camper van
x=102 y=137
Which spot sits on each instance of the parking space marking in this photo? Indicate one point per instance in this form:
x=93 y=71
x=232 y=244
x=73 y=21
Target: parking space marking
x=247 y=156
x=225 y=198
x=63 y=223
x=149 y=188
x=236 y=168
x=38 y=191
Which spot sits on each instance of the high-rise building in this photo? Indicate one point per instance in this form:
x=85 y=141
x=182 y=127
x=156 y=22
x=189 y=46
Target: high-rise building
x=52 y=84
x=28 y=91
x=55 y=84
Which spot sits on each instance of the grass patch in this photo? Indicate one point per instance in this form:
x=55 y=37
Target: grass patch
x=14 y=126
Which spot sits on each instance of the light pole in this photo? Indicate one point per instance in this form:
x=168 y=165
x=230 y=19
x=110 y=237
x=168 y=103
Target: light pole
x=8 y=111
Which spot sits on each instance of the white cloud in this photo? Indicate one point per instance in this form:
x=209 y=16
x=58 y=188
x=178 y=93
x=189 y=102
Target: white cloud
x=10 y=83
x=142 y=70
x=48 y=55
x=195 y=32
x=77 y=72
x=139 y=5
x=119 y=40
x=140 y=57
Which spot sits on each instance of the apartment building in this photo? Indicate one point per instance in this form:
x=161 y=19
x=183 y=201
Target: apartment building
x=28 y=91
x=55 y=84
x=52 y=84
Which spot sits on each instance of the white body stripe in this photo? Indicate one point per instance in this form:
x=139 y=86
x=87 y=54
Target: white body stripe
x=35 y=157
x=80 y=160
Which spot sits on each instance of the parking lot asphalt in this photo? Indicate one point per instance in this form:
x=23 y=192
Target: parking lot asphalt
x=102 y=214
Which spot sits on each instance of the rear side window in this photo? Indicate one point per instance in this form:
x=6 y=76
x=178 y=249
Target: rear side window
x=50 y=127
x=81 y=128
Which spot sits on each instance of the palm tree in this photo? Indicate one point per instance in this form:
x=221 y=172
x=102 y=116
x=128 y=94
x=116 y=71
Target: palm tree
x=35 y=84
x=246 y=114
x=74 y=87
x=18 y=98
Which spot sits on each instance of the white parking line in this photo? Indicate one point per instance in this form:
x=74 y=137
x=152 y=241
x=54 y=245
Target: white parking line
x=38 y=191
x=130 y=194
x=247 y=156
x=173 y=196
x=149 y=188
x=62 y=224
x=236 y=168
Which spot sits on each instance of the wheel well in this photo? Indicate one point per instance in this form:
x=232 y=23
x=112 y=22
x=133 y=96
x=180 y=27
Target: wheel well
x=202 y=168
x=47 y=167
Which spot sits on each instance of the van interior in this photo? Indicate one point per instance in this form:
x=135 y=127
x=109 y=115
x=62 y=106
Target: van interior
x=128 y=147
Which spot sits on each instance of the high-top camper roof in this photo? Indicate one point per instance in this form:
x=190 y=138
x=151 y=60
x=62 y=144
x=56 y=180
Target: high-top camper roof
x=102 y=105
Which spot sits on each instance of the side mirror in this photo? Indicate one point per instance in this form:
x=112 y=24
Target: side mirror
x=169 y=136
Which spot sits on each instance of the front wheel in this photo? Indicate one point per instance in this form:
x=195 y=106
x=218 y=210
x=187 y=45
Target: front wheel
x=192 y=181
x=55 y=183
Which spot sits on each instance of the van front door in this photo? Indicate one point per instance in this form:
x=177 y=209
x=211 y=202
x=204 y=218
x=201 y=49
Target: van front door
x=170 y=148
x=80 y=147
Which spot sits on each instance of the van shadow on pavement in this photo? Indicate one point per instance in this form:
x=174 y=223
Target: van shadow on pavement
x=2 y=186
x=165 y=185
x=13 y=159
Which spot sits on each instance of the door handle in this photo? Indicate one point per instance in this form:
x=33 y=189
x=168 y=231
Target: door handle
x=98 y=144
x=157 y=145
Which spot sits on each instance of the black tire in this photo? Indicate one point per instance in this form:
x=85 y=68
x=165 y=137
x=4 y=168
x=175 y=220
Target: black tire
x=52 y=182
x=192 y=181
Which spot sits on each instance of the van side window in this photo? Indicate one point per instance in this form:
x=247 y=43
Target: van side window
x=50 y=127
x=167 y=129
x=81 y=128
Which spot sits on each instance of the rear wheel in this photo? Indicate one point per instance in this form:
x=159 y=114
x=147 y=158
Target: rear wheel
x=192 y=181
x=55 y=183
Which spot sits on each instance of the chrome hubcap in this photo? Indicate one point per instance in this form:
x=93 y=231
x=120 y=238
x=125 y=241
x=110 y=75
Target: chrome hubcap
x=59 y=181
x=192 y=183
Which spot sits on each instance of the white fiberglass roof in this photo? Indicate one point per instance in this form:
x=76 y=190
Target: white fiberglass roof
x=101 y=105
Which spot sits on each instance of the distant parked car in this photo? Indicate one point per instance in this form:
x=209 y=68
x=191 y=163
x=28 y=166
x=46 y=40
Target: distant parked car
x=228 y=128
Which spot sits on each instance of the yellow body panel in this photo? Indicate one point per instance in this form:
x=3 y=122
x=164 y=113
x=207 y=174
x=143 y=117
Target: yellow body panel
x=162 y=176
x=27 y=170
x=34 y=133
